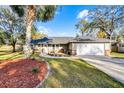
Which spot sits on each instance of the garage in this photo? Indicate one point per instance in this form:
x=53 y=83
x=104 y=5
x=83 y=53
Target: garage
x=90 y=49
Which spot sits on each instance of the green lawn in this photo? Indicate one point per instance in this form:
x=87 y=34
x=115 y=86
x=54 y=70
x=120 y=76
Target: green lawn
x=117 y=55
x=77 y=73
x=7 y=54
x=11 y=56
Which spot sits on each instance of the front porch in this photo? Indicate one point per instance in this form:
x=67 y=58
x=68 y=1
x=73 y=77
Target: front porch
x=51 y=49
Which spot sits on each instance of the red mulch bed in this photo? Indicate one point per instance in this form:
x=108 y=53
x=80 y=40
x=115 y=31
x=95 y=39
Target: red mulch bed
x=18 y=73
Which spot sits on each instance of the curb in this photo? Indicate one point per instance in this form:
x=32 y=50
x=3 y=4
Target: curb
x=46 y=76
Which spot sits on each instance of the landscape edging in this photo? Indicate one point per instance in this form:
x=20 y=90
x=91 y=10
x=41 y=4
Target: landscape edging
x=46 y=76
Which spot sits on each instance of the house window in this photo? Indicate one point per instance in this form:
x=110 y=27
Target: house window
x=38 y=45
x=57 y=45
x=122 y=45
x=114 y=44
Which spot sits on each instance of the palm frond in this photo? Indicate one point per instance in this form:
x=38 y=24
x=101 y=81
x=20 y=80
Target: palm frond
x=47 y=13
x=19 y=9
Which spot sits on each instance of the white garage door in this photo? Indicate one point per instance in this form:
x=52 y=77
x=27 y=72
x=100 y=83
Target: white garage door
x=90 y=49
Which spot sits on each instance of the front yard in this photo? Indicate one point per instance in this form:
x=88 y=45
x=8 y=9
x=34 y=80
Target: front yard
x=77 y=73
x=64 y=73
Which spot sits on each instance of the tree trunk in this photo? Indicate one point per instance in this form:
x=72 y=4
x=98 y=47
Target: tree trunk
x=14 y=49
x=14 y=45
x=30 y=17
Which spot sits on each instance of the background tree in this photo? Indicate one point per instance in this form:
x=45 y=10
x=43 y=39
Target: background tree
x=32 y=13
x=101 y=34
x=104 y=18
x=2 y=37
x=35 y=34
x=11 y=27
x=120 y=35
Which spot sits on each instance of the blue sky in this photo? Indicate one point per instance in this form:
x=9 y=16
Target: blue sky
x=64 y=21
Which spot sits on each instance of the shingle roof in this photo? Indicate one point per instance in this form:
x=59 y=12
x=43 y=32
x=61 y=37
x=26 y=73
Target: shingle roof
x=66 y=40
x=90 y=40
x=60 y=40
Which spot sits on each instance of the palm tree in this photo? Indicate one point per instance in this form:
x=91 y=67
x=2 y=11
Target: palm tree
x=30 y=14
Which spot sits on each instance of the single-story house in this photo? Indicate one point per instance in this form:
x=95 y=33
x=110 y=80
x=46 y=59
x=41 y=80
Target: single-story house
x=74 y=45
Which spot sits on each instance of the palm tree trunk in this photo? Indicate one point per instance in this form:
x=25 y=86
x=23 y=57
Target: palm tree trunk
x=29 y=22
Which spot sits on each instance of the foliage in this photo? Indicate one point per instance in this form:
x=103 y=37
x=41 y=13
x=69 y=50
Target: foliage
x=120 y=35
x=104 y=18
x=11 y=26
x=35 y=34
x=35 y=70
x=2 y=37
x=31 y=14
x=42 y=13
x=101 y=34
x=38 y=35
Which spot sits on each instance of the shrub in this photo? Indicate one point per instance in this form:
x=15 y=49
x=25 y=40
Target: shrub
x=35 y=70
x=33 y=58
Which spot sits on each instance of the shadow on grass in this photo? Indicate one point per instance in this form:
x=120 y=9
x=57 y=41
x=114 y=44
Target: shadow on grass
x=7 y=52
x=11 y=56
x=77 y=73
x=15 y=56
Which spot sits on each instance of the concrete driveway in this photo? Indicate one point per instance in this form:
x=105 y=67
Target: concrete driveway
x=111 y=66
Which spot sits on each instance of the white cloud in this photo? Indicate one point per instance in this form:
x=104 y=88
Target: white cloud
x=53 y=33
x=44 y=30
x=82 y=14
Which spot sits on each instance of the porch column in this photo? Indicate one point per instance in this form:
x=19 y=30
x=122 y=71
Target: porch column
x=43 y=48
x=47 y=49
x=55 y=48
x=59 y=48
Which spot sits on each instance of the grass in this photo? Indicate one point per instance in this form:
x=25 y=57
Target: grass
x=117 y=55
x=11 y=56
x=7 y=54
x=76 y=73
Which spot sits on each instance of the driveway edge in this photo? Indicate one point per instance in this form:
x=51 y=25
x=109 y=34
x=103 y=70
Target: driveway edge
x=99 y=68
